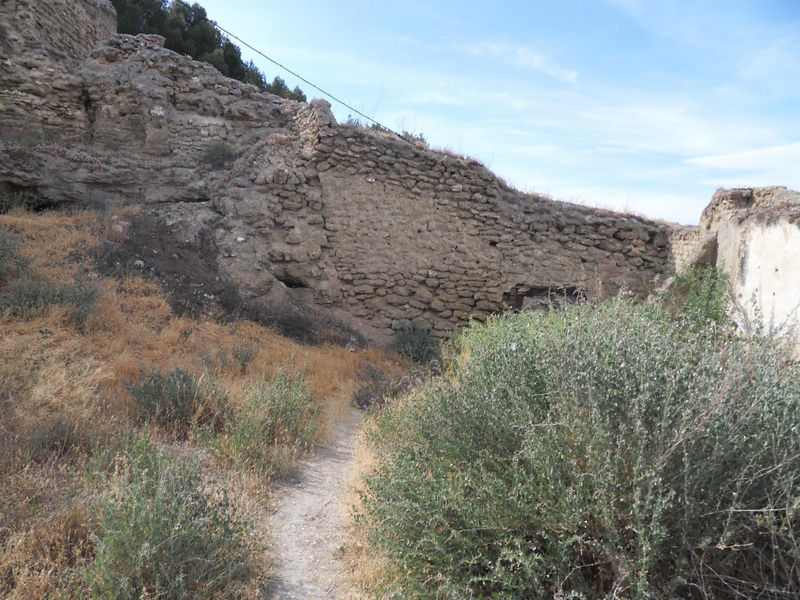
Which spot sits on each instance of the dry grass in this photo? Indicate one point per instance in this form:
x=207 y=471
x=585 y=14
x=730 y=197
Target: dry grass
x=364 y=571
x=62 y=389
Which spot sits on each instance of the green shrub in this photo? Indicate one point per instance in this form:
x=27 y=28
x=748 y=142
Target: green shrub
x=241 y=355
x=276 y=422
x=12 y=265
x=81 y=298
x=701 y=295
x=244 y=355
x=594 y=453
x=28 y=296
x=162 y=535
x=217 y=155
x=179 y=400
x=414 y=341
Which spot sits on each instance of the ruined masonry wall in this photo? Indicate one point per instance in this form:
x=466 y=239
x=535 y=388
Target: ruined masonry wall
x=388 y=232
x=68 y=27
x=358 y=226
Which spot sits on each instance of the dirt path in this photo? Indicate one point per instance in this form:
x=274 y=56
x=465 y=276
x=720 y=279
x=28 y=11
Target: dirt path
x=309 y=526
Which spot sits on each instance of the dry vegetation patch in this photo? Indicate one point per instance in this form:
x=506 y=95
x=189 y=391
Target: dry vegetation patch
x=64 y=393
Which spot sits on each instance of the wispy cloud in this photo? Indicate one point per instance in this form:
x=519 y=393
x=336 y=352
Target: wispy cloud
x=780 y=156
x=523 y=56
x=770 y=165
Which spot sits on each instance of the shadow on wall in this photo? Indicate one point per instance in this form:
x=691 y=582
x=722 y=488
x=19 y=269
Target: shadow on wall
x=523 y=297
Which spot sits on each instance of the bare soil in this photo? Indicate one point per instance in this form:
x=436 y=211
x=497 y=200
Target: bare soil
x=310 y=524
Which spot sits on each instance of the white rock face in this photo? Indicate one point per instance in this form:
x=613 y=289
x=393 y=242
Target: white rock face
x=765 y=261
x=753 y=235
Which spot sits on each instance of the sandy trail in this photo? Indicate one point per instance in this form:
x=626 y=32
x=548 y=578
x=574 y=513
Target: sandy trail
x=309 y=526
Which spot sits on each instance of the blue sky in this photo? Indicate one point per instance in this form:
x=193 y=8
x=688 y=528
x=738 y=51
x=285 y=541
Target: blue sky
x=632 y=105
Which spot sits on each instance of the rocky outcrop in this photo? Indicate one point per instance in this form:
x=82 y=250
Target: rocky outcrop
x=752 y=235
x=62 y=29
x=307 y=215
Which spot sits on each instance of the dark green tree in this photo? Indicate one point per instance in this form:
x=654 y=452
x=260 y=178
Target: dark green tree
x=188 y=30
x=141 y=16
x=254 y=77
x=279 y=88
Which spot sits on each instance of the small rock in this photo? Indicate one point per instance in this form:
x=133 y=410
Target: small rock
x=139 y=264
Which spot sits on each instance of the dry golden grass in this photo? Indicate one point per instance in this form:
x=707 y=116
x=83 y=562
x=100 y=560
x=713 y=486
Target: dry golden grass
x=364 y=570
x=62 y=388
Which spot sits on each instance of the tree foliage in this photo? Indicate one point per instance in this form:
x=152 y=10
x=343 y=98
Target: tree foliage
x=188 y=31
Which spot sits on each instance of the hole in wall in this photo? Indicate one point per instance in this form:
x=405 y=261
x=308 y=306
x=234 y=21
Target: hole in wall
x=291 y=281
x=523 y=297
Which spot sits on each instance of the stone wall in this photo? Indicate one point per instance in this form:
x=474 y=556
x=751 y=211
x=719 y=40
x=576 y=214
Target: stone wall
x=360 y=226
x=64 y=28
x=388 y=231
x=40 y=43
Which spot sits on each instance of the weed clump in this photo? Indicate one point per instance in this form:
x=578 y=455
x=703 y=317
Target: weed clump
x=276 y=422
x=54 y=440
x=244 y=355
x=414 y=341
x=594 y=452
x=700 y=296
x=26 y=297
x=162 y=535
x=178 y=399
x=12 y=264
x=377 y=386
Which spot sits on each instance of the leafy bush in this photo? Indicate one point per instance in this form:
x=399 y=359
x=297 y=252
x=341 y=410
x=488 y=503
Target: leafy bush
x=244 y=355
x=217 y=155
x=274 y=425
x=12 y=265
x=594 y=453
x=241 y=355
x=178 y=399
x=81 y=298
x=700 y=295
x=187 y=30
x=28 y=296
x=162 y=535
x=415 y=342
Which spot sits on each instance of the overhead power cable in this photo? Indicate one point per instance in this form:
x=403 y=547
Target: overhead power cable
x=288 y=70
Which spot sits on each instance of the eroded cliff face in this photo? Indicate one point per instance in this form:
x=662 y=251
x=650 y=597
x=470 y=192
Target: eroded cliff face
x=753 y=234
x=311 y=218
